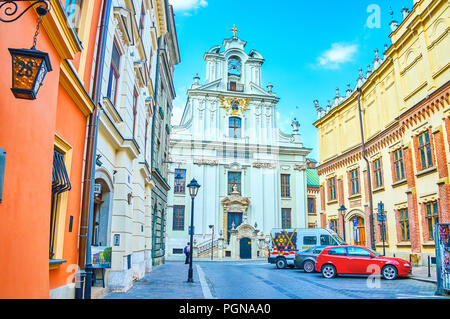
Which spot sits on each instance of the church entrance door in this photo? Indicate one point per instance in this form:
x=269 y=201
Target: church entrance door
x=246 y=248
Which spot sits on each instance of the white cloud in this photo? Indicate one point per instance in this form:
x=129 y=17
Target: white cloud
x=185 y=5
x=338 y=54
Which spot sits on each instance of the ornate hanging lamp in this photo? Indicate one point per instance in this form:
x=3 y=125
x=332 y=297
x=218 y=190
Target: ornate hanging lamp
x=29 y=66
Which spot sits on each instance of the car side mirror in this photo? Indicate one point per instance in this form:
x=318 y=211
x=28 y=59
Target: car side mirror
x=372 y=256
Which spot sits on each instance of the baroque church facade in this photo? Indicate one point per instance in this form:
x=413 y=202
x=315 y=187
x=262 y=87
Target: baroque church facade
x=252 y=175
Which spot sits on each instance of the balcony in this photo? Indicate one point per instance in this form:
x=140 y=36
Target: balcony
x=236 y=87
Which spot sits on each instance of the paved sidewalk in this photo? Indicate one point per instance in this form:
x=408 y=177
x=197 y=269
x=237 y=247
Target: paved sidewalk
x=421 y=273
x=168 y=281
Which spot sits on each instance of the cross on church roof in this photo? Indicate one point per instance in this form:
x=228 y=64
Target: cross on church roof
x=234 y=30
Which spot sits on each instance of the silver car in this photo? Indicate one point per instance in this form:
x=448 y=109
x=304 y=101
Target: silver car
x=306 y=259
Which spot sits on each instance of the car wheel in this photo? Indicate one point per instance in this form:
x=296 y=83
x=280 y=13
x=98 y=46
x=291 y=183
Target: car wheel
x=281 y=263
x=389 y=272
x=309 y=266
x=328 y=271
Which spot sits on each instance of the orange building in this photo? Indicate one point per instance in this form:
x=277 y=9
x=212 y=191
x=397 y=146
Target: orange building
x=44 y=139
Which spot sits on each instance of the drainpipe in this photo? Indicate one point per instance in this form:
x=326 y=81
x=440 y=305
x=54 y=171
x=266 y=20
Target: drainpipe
x=372 y=229
x=155 y=99
x=87 y=206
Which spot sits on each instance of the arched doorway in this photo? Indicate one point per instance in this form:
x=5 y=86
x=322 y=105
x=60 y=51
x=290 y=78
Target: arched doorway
x=101 y=217
x=245 y=248
x=359 y=230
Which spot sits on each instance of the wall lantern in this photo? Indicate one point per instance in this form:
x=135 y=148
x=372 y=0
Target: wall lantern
x=29 y=66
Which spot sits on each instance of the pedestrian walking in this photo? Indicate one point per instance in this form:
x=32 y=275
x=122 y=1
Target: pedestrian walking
x=187 y=252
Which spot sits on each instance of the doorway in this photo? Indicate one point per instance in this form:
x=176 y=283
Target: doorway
x=246 y=248
x=359 y=231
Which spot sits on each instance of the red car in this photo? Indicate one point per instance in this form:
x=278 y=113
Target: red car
x=358 y=260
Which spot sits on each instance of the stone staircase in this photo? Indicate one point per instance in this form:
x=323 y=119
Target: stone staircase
x=204 y=250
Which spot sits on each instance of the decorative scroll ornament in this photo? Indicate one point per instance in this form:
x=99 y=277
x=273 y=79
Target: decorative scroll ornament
x=264 y=165
x=206 y=162
x=9 y=9
x=234 y=106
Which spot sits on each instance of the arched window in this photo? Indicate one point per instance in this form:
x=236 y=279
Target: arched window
x=234 y=66
x=235 y=127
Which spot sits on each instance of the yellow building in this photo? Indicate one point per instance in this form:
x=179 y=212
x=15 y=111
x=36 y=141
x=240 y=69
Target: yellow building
x=404 y=99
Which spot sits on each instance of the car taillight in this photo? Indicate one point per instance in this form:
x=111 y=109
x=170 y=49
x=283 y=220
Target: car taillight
x=296 y=255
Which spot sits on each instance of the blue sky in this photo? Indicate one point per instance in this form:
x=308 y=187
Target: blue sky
x=310 y=47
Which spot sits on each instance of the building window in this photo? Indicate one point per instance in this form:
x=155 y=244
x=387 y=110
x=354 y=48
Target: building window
x=332 y=189
x=73 y=11
x=404 y=224
x=135 y=111
x=180 y=184
x=60 y=185
x=286 y=218
x=334 y=225
x=285 y=186
x=432 y=218
x=235 y=127
x=234 y=180
x=399 y=170
x=113 y=74
x=426 y=159
x=177 y=251
x=142 y=20
x=378 y=173
x=178 y=218
x=311 y=206
x=354 y=179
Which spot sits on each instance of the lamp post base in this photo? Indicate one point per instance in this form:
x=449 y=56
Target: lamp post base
x=190 y=275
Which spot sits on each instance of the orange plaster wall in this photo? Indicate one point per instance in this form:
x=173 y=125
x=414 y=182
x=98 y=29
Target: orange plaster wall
x=27 y=131
x=71 y=127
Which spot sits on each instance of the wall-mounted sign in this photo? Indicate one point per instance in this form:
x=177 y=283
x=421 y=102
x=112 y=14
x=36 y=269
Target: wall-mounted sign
x=101 y=256
x=97 y=189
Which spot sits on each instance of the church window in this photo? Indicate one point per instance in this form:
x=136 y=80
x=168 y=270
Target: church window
x=286 y=218
x=285 y=186
x=235 y=127
x=180 y=184
x=178 y=218
x=234 y=179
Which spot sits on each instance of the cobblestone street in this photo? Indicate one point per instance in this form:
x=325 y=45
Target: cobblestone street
x=260 y=280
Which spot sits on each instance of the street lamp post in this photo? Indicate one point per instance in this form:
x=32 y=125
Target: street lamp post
x=193 y=190
x=212 y=241
x=382 y=219
x=343 y=210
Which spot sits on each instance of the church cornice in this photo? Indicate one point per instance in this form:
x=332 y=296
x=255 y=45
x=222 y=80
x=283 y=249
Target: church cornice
x=230 y=94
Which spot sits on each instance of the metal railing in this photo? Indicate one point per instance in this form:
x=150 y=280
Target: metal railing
x=206 y=247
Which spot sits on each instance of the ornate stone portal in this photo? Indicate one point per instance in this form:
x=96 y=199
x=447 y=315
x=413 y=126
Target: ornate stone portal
x=245 y=233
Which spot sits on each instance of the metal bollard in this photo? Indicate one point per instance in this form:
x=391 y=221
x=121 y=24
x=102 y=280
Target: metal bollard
x=79 y=284
x=429 y=266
